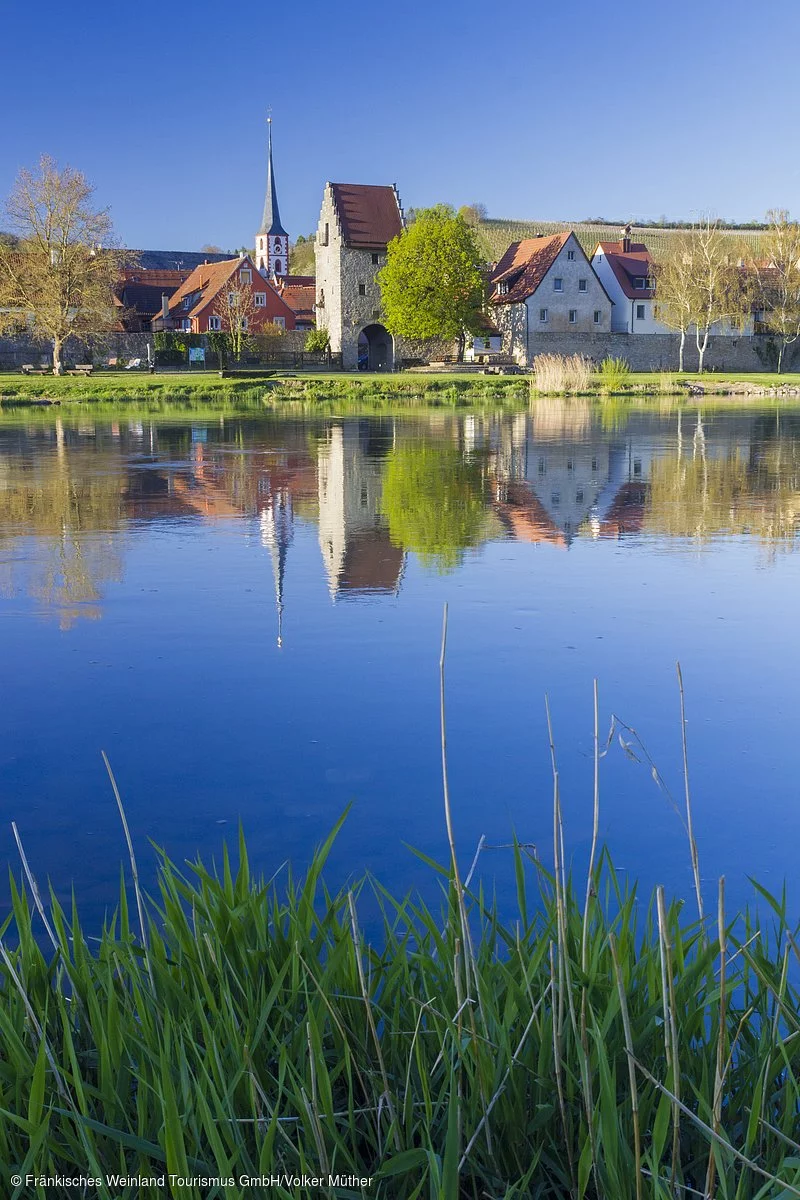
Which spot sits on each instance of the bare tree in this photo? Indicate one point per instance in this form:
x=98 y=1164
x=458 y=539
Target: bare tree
x=60 y=275
x=674 y=286
x=236 y=307
x=720 y=296
x=776 y=280
x=700 y=286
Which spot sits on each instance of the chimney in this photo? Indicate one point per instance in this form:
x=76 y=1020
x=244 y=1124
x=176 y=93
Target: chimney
x=626 y=240
x=164 y=306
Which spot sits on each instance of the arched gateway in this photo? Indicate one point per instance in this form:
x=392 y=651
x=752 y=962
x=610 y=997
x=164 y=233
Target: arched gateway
x=375 y=349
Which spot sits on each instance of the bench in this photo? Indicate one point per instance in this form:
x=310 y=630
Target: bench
x=30 y=369
x=81 y=369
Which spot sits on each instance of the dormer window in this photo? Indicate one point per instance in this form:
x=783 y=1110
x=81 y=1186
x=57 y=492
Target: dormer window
x=187 y=301
x=502 y=287
x=640 y=282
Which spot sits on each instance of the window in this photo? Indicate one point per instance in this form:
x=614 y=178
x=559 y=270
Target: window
x=280 y=322
x=362 y=289
x=187 y=301
x=323 y=237
x=639 y=312
x=186 y=324
x=214 y=323
x=640 y=282
x=542 y=314
x=542 y=466
x=579 y=496
x=502 y=287
x=594 y=464
x=246 y=276
x=555 y=498
x=558 y=285
x=637 y=466
x=570 y=465
x=573 y=316
x=243 y=324
x=232 y=299
x=571 y=255
x=260 y=299
x=581 y=285
x=597 y=316
x=376 y=258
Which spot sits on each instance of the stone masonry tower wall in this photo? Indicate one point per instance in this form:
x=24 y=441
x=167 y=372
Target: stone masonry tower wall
x=348 y=294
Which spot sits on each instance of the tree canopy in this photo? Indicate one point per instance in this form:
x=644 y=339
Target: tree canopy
x=431 y=285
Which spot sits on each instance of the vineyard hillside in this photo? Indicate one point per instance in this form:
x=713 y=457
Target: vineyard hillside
x=495 y=236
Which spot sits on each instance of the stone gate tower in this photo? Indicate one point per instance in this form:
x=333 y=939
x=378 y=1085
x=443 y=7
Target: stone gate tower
x=356 y=224
x=272 y=240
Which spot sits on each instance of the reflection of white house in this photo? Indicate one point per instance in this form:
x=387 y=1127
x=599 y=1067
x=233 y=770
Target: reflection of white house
x=355 y=545
x=625 y=269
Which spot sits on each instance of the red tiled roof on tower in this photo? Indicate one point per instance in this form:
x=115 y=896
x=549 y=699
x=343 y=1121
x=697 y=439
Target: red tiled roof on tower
x=369 y=214
x=524 y=265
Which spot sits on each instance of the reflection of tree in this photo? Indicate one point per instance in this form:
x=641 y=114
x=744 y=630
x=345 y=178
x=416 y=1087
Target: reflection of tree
x=73 y=508
x=433 y=500
x=701 y=497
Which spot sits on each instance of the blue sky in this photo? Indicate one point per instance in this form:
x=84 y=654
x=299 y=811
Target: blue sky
x=563 y=111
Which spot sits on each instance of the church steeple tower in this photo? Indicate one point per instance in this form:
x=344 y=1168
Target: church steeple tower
x=272 y=240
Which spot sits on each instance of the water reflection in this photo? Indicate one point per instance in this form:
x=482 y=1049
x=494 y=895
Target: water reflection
x=379 y=489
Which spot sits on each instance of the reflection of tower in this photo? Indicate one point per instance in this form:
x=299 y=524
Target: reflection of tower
x=277 y=531
x=356 y=549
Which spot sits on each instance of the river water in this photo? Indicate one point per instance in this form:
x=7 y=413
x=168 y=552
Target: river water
x=245 y=613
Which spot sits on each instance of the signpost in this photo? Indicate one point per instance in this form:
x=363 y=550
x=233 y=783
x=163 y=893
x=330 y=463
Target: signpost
x=197 y=354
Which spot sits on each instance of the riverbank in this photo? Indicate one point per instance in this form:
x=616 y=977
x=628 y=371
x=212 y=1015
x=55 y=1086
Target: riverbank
x=236 y=1029
x=379 y=390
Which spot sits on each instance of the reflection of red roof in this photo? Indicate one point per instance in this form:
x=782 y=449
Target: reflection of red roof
x=628 y=266
x=524 y=266
x=523 y=512
x=626 y=514
x=371 y=563
x=369 y=214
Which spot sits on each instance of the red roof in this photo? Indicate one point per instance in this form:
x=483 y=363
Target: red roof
x=209 y=279
x=524 y=266
x=629 y=265
x=368 y=214
x=301 y=298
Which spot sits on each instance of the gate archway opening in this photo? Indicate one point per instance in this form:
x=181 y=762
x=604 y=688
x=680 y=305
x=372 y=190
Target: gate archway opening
x=375 y=349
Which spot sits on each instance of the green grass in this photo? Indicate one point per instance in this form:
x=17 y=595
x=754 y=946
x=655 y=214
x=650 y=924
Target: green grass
x=335 y=392
x=591 y=1043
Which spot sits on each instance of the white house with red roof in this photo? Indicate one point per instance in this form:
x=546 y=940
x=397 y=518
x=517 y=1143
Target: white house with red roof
x=546 y=285
x=625 y=269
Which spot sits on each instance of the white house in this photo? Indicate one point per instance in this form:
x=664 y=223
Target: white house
x=546 y=285
x=625 y=269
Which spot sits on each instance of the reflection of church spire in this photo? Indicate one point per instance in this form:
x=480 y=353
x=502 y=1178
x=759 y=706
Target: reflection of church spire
x=277 y=531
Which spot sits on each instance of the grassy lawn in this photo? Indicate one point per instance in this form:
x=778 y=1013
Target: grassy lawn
x=335 y=391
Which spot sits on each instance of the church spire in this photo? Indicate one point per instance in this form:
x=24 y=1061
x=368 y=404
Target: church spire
x=272 y=240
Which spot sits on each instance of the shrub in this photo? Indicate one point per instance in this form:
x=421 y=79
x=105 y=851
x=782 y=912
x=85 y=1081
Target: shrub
x=318 y=341
x=556 y=374
x=614 y=373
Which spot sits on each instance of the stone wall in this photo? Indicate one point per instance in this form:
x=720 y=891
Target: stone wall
x=98 y=348
x=657 y=351
x=642 y=351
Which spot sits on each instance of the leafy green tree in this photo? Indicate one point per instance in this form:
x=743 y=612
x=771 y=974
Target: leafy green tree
x=432 y=285
x=433 y=500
